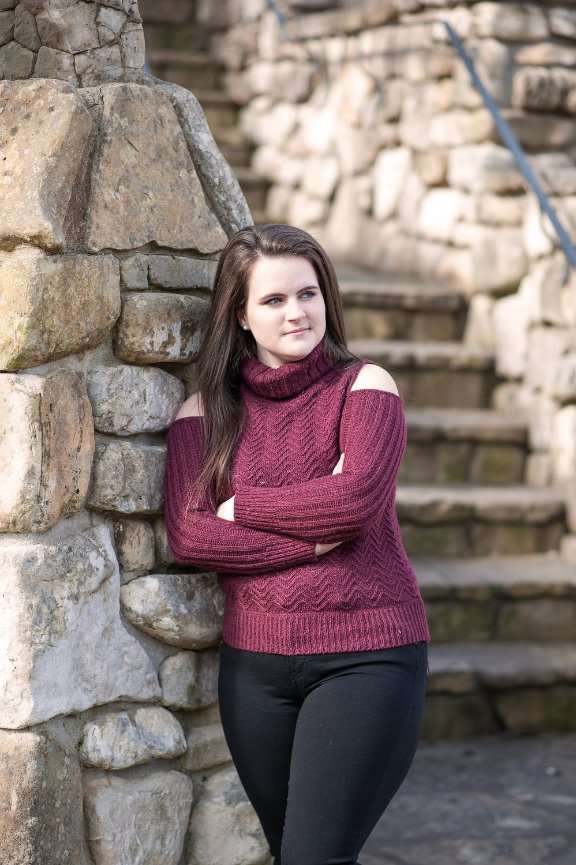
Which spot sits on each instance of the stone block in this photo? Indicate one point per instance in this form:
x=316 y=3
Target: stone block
x=133 y=399
x=113 y=19
x=157 y=327
x=562 y=22
x=51 y=63
x=391 y=171
x=552 y=343
x=548 y=53
x=511 y=322
x=40 y=801
x=226 y=196
x=54 y=305
x=98 y=64
x=132 y=46
x=156 y=159
x=321 y=176
x=542 y=619
x=118 y=740
x=531 y=710
x=563 y=450
x=16 y=61
x=539 y=470
x=431 y=166
x=457 y=716
x=6 y=26
x=537 y=131
x=540 y=237
x=73 y=31
x=271 y=163
x=484 y=168
x=494 y=209
x=441 y=209
x=307 y=210
x=479 y=330
x=61 y=634
x=284 y=79
x=189 y=680
x=176 y=271
x=542 y=89
x=178 y=609
x=542 y=410
x=520 y=22
x=135 y=547
x=127 y=476
x=47 y=445
x=556 y=173
x=148 y=814
x=452 y=621
x=496 y=260
x=134 y=270
x=460 y=127
x=25 y=30
x=44 y=195
x=495 y=63
x=207 y=747
x=224 y=826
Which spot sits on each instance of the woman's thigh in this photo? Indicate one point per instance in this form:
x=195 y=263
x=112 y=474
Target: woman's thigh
x=355 y=739
x=259 y=707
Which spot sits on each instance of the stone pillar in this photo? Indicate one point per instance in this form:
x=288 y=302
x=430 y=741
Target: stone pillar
x=115 y=205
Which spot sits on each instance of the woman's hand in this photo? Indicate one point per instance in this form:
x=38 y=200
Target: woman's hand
x=226 y=510
x=324 y=548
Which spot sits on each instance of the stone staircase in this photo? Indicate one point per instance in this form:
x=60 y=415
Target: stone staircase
x=200 y=73
x=500 y=597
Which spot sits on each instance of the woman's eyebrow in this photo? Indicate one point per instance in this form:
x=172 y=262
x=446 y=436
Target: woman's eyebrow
x=274 y=293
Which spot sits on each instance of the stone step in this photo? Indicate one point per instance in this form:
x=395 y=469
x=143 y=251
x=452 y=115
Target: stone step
x=219 y=109
x=254 y=187
x=437 y=374
x=195 y=71
x=472 y=446
x=233 y=145
x=457 y=520
x=187 y=37
x=397 y=306
x=506 y=598
x=479 y=688
x=260 y=217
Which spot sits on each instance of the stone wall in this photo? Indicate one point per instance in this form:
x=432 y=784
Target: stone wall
x=373 y=138
x=115 y=205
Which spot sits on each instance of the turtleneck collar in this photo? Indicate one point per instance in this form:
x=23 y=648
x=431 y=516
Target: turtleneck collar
x=288 y=379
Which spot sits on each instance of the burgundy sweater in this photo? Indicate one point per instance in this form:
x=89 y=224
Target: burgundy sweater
x=279 y=596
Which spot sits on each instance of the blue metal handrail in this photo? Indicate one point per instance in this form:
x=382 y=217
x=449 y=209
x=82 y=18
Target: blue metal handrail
x=502 y=126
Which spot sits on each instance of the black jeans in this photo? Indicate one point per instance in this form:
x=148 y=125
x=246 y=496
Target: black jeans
x=321 y=743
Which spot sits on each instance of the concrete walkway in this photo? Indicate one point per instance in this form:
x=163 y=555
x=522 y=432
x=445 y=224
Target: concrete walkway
x=505 y=800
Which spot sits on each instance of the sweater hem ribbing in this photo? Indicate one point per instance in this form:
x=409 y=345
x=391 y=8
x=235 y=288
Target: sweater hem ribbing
x=314 y=632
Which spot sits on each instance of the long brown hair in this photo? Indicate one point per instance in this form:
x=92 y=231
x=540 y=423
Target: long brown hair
x=225 y=343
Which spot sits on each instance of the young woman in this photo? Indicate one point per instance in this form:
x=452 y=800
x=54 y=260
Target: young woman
x=281 y=477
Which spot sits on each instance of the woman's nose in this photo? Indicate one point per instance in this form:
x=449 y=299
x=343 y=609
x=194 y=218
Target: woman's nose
x=295 y=311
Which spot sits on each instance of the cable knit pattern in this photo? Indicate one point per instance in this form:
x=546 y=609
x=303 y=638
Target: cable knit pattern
x=280 y=596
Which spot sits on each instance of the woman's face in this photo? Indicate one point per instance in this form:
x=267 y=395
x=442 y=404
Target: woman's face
x=284 y=295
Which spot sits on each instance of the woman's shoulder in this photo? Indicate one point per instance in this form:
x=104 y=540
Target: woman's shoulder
x=365 y=374
x=373 y=377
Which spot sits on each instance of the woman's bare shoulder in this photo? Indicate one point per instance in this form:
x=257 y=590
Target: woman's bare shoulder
x=374 y=377
x=192 y=407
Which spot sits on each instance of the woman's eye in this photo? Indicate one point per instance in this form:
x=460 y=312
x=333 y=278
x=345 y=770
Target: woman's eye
x=308 y=291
